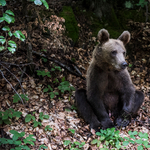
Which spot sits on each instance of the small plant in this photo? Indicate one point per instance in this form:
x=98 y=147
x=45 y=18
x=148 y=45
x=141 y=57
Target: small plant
x=55 y=80
x=72 y=130
x=52 y=93
x=73 y=146
x=16 y=98
x=19 y=142
x=142 y=3
x=30 y=117
x=43 y=73
x=56 y=68
x=48 y=128
x=142 y=140
x=43 y=147
x=109 y=138
x=9 y=114
x=44 y=59
x=65 y=86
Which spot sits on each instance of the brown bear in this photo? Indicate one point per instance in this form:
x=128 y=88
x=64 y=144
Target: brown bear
x=109 y=86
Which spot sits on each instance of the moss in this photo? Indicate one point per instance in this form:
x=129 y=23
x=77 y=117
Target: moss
x=96 y=25
x=117 y=22
x=70 y=23
x=125 y=15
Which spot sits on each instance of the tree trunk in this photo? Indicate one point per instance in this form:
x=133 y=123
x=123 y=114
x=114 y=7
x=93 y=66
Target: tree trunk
x=103 y=9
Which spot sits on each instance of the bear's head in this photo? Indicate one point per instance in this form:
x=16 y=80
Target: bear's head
x=110 y=53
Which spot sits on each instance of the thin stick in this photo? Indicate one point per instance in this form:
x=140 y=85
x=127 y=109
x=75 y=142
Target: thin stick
x=11 y=86
x=15 y=77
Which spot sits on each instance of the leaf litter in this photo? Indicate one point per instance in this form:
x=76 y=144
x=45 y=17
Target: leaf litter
x=61 y=115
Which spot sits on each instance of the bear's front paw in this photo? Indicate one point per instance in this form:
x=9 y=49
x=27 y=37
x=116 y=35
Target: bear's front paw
x=107 y=124
x=122 y=122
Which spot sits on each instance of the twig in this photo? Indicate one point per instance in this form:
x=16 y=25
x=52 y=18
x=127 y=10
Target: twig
x=21 y=79
x=60 y=64
x=11 y=86
x=15 y=77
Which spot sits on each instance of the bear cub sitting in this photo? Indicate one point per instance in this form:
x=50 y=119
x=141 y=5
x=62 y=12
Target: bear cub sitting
x=109 y=88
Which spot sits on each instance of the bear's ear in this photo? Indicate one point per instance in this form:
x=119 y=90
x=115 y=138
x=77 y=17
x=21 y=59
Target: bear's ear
x=125 y=37
x=103 y=36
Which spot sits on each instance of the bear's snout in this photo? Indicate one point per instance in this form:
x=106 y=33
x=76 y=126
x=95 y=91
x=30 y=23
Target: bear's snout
x=124 y=65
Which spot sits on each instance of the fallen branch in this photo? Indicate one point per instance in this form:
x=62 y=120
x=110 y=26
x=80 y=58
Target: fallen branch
x=62 y=65
x=12 y=87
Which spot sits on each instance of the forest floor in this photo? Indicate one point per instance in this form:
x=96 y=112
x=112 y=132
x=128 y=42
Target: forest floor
x=64 y=121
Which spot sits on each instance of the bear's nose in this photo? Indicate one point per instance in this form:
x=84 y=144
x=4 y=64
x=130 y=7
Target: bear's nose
x=124 y=65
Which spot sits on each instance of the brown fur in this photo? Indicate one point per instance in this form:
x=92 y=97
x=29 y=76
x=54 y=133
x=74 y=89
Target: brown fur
x=109 y=86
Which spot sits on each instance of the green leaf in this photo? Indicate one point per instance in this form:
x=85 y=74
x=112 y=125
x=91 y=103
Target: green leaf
x=5 y=28
x=2 y=41
x=45 y=4
x=37 y=2
x=16 y=134
x=94 y=141
x=139 y=141
x=9 y=12
x=48 y=128
x=140 y=147
x=17 y=114
x=52 y=95
x=43 y=146
x=6 y=121
x=28 y=118
x=17 y=142
x=18 y=34
x=143 y=135
x=12 y=50
x=46 y=90
x=10 y=34
x=29 y=140
x=72 y=130
x=67 y=142
x=125 y=143
x=12 y=44
x=9 y=19
x=46 y=116
x=2 y=2
x=36 y=123
x=1 y=19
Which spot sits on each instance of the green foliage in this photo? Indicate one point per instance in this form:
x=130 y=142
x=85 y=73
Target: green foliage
x=16 y=98
x=72 y=130
x=70 y=23
x=42 y=146
x=44 y=59
x=142 y=3
x=40 y=2
x=75 y=145
x=30 y=117
x=128 y=4
x=48 y=128
x=8 y=17
x=9 y=114
x=19 y=141
x=52 y=93
x=56 y=68
x=109 y=138
x=142 y=140
x=43 y=73
x=65 y=86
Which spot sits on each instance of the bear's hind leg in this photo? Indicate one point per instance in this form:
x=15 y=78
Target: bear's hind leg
x=85 y=109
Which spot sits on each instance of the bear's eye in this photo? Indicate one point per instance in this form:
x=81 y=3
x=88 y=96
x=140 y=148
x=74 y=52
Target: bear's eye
x=113 y=52
x=124 y=53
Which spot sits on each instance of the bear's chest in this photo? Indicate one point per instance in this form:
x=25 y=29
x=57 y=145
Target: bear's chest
x=114 y=83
